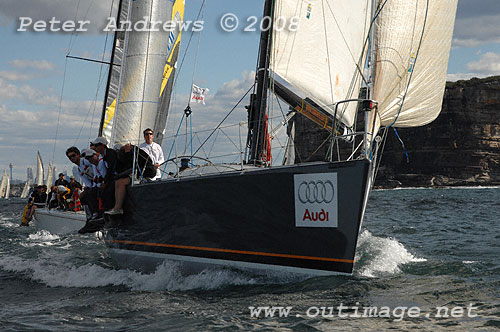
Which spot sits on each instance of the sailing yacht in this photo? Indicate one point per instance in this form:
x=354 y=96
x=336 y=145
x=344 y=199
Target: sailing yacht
x=302 y=218
x=55 y=221
x=5 y=186
x=297 y=217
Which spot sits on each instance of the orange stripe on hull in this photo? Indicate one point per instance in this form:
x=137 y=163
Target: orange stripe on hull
x=176 y=246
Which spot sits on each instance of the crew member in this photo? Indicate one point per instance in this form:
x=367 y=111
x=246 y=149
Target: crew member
x=154 y=151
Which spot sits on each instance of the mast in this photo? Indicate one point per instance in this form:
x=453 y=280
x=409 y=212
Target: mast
x=110 y=72
x=257 y=110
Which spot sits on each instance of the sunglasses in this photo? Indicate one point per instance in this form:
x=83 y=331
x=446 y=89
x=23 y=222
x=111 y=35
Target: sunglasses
x=147 y=134
x=71 y=156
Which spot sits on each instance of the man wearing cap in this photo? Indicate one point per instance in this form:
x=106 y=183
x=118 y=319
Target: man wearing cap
x=110 y=157
x=84 y=167
x=154 y=151
x=87 y=175
x=61 y=181
x=92 y=195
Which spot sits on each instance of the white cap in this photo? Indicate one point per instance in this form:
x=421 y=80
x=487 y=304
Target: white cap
x=87 y=153
x=100 y=140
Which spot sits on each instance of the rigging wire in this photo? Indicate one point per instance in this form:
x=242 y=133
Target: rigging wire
x=70 y=47
x=100 y=72
x=227 y=115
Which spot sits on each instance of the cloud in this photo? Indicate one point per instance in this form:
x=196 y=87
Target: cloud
x=477 y=23
x=487 y=65
x=15 y=76
x=475 y=31
x=33 y=64
x=95 y=11
x=26 y=70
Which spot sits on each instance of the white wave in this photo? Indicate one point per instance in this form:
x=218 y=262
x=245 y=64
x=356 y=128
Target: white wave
x=42 y=236
x=377 y=256
x=166 y=277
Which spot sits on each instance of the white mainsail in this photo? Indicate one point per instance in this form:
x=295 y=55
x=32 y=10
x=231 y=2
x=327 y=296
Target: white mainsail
x=413 y=41
x=142 y=78
x=323 y=55
x=39 y=170
x=3 y=184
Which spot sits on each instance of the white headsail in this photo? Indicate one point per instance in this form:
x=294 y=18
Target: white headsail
x=413 y=41
x=323 y=54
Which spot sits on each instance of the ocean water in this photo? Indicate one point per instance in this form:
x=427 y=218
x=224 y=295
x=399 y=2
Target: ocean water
x=427 y=260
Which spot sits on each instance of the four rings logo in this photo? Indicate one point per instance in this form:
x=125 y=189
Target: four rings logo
x=316 y=200
x=316 y=191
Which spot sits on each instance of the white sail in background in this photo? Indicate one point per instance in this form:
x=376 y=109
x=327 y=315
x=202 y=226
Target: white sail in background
x=26 y=189
x=7 y=189
x=324 y=57
x=3 y=184
x=413 y=41
x=142 y=77
x=50 y=177
x=39 y=170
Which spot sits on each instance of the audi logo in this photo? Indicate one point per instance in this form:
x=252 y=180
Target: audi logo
x=316 y=191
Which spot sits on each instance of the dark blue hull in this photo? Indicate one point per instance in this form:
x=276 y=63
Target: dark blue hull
x=249 y=219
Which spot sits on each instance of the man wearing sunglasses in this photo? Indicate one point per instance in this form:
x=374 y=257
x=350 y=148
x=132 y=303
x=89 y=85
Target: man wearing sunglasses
x=87 y=176
x=154 y=151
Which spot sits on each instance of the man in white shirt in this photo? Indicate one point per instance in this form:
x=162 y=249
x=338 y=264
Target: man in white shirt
x=87 y=197
x=154 y=151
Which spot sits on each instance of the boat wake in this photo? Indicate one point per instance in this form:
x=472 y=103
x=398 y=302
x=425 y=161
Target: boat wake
x=378 y=256
x=57 y=272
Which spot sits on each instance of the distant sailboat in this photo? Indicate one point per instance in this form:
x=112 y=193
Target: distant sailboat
x=7 y=189
x=26 y=189
x=39 y=170
x=3 y=184
x=50 y=177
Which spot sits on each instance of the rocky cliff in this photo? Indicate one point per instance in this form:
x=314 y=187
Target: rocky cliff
x=460 y=148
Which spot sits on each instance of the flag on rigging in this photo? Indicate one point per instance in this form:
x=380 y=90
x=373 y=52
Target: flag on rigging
x=198 y=94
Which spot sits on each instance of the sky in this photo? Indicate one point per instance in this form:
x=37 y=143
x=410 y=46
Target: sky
x=49 y=102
